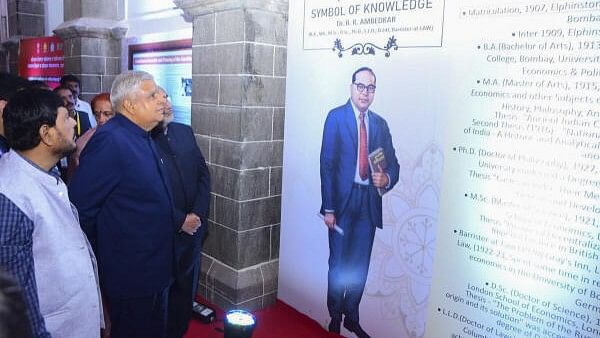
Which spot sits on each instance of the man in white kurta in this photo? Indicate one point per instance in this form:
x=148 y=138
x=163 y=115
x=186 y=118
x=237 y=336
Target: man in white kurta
x=41 y=242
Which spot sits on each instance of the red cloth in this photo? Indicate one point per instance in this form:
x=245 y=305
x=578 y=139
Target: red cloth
x=276 y=321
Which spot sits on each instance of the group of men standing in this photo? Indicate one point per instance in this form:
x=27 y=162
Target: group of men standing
x=141 y=196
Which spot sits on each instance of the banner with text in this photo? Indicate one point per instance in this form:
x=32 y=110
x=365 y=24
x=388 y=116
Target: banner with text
x=405 y=23
x=172 y=70
x=520 y=212
x=513 y=89
x=42 y=59
x=401 y=41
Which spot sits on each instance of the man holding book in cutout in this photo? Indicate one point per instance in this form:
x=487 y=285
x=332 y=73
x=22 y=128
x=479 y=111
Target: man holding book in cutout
x=351 y=192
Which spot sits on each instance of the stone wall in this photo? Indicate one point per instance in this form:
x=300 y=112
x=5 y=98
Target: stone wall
x=92 y=32
x=239 y=65
x=26 y=18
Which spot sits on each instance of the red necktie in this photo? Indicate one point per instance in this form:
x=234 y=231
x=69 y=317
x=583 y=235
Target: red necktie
x=363 y=163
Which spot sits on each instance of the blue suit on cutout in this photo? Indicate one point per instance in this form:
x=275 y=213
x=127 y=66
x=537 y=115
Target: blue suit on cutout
x=357 y=208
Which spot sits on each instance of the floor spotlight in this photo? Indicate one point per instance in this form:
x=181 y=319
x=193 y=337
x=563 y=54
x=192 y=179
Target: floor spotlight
x=239 y=324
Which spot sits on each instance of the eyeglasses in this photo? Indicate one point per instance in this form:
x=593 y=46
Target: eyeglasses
x=361 y=88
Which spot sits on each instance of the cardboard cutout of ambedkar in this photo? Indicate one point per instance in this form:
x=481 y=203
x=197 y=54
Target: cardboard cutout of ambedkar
x=351 y=192
x=514 y=88
x=364 y=265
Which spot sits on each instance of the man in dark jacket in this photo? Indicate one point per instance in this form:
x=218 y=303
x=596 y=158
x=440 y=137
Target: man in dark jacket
x=190 y=187
x=122 y=192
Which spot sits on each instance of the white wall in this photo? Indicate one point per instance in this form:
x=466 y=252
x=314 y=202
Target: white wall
x=147 y=21
x=153 y=21
x=157 y=20
x=54 y=15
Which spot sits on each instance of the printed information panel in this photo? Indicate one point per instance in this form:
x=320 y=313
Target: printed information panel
x=397 y=23
x=42 y=59
x=520 y=211
x=388 y=260
x=172 y=70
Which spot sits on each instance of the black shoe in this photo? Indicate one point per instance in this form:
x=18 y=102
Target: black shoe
x=354 y=327
x=334 y=325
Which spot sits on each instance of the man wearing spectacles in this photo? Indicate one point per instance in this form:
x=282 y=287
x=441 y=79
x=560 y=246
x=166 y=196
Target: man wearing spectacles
x=190 y=186
x=351 y=195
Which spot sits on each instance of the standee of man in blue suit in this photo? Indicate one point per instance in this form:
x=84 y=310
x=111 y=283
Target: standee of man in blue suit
x=351 y=196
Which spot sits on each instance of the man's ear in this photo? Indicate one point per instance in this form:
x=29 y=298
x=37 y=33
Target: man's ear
x=46 y=134
x=129 y=106
x=2 y=105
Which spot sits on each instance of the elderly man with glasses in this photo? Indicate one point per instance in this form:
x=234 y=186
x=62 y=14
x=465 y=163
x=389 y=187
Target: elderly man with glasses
x=190 y=186
x=358 y=165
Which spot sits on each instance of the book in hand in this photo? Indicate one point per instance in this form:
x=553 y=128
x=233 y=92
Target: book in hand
x=378 y=164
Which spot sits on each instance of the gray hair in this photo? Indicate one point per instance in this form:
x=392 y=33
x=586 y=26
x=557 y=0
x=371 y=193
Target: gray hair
x=125 y=84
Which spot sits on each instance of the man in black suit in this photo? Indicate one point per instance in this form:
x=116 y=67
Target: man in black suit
x=190 y=186
x=351 y=195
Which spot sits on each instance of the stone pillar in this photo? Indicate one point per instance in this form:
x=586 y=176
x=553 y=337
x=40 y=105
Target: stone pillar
x=26 y=18
x=92 y=34
x=239 y=65
x=9 y=55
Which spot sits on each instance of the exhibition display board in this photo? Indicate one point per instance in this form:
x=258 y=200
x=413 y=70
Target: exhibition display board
x=170 y=62
x=493 y=229
x=42 y=59
x=327 y=42
x=519 y=233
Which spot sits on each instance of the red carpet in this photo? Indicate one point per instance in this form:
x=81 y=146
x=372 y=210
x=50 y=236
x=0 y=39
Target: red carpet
x=277 y=321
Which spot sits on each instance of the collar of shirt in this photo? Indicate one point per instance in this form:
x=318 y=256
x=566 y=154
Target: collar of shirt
x=81 y=105
x=357 y=113
x=35 y=169
x=3 y=145
x=357 y=117
x=357 y=178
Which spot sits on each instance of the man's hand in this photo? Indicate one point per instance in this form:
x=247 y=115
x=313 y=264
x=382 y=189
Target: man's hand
x=380 y=180
x=329 y=220
x=105 y=332
x=191 y=224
